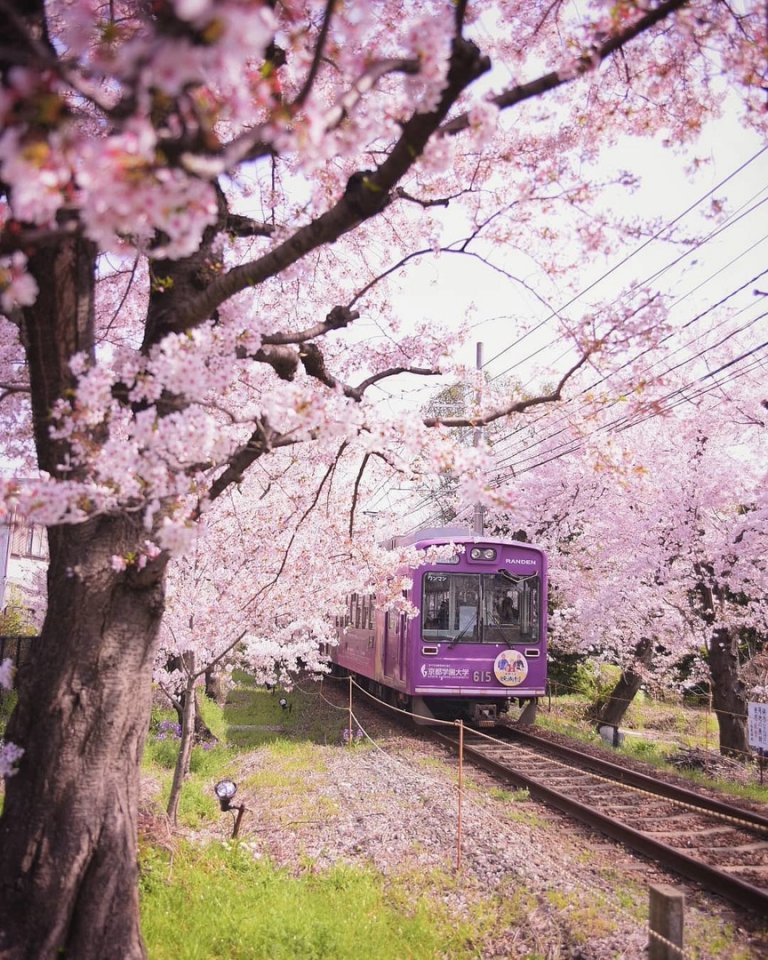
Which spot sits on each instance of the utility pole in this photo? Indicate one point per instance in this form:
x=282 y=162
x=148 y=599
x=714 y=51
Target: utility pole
x=6 y=529
x=478 y=526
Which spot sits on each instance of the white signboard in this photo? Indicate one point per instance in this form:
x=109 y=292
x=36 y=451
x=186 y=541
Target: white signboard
x=757 y=725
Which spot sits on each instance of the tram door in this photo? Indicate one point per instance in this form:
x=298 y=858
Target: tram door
x=395 y=627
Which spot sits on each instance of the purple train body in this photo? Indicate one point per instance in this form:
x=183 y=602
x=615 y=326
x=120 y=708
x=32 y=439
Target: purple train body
x=478 y=643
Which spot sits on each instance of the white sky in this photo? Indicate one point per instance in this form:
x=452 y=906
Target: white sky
x=449 y=288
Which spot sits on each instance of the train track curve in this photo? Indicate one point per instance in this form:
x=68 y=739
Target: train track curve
x=721 y=847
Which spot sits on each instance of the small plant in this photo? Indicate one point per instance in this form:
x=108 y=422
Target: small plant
x=347 y=735
x=513 y=796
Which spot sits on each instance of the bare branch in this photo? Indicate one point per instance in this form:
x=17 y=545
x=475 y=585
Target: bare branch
x=356 y=393
x=10 y=388
x=318 y=55
x=403 y=194
x=355 y=491
x=337 y=319
x=519 y=406
x=259 y=443
x=239 y=226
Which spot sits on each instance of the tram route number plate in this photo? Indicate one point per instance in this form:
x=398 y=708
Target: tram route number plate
x=757 y=725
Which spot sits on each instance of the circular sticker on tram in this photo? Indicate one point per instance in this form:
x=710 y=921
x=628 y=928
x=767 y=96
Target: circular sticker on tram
x=511 y=668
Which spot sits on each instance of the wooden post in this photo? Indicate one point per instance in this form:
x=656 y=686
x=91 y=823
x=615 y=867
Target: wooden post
x=665 y=924
x=460 y=724
x=350 y=710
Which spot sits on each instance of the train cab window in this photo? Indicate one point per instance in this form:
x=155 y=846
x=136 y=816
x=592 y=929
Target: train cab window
x=511 y=608
x=486 y=608
x=451 y=606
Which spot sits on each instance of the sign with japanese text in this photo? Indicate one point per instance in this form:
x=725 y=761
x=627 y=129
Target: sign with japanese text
x=757 y=725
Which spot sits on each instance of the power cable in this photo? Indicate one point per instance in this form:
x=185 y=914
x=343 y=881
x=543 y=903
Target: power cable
x=633 y=253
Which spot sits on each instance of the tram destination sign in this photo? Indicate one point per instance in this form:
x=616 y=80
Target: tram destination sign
x=757 y=725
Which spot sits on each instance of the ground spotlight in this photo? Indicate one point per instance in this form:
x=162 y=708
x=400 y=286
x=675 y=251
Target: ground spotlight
x=225 y=790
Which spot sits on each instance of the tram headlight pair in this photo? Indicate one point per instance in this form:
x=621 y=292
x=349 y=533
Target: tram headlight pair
x=482 y=553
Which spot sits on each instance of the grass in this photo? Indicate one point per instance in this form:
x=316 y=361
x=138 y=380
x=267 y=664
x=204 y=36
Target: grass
x=667 y=728
x=235 y=906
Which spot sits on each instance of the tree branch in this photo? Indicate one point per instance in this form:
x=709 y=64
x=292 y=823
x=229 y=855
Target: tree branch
x=367 y=194
x=355 y=491
x=356 y=393
x=318 y=55
x=519 y=406
x=337 y=319
x=585 y=64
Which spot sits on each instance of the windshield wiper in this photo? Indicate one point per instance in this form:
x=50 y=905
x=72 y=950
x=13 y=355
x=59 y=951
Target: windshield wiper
x=464 y=632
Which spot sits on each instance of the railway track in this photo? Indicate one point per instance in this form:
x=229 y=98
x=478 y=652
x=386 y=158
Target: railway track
x=721 y=847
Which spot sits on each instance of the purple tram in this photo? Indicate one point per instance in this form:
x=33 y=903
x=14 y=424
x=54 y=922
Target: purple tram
x=478 y=644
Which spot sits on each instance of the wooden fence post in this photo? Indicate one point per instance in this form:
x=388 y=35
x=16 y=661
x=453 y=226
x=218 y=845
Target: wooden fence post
x=665 y=924
x=460 y=724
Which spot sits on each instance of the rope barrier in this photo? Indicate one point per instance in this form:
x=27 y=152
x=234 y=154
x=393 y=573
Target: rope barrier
x=437 y=787
x=462 y=794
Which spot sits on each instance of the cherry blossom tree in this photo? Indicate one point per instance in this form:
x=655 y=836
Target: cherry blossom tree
x=267 y=581
x=657 y=541
x=205 y=208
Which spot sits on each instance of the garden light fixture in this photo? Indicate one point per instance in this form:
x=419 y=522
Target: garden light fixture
x=225 y=790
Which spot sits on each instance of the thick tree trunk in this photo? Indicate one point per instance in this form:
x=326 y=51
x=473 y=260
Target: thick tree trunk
x=728 y=693
x=612 y=709
x=68 y=833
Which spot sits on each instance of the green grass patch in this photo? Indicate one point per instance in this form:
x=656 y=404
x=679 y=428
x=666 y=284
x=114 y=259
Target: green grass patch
x=510 y=796
x=8 y=700
x=254 y=717
x=235 y=906
x=669 y=726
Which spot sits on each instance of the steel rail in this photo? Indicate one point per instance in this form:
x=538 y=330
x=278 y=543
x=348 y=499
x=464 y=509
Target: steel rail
x=738 y=891
x=642 y=781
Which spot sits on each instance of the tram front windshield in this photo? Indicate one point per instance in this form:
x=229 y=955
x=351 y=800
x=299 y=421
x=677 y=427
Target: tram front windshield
x=480 y=608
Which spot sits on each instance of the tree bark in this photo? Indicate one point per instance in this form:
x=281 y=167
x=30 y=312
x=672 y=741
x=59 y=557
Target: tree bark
x=728 y=693
x=188 y=717
x=68 y=833
x=612 y=709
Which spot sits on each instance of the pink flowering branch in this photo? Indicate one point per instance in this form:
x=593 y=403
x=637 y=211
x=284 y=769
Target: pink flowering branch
x=584 y=64
x=367 y=193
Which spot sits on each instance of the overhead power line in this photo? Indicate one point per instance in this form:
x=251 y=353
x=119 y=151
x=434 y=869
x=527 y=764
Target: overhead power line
x=625 y=259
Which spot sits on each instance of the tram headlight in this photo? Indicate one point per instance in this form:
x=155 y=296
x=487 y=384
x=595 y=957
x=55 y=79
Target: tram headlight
x=482 y=553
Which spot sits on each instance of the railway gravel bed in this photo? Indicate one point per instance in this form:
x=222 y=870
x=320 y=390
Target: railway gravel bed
x=391 y=802
x=675 y=827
